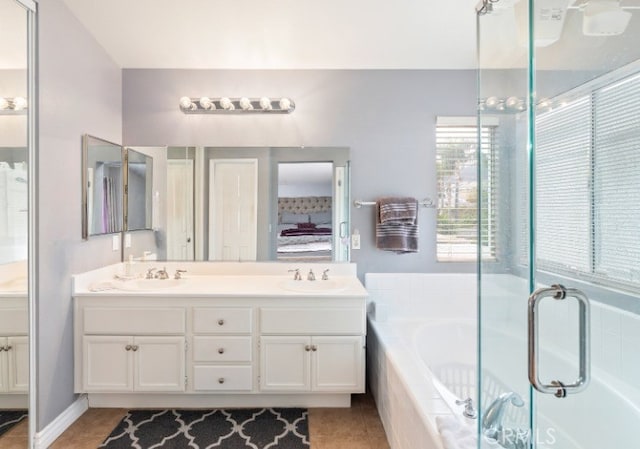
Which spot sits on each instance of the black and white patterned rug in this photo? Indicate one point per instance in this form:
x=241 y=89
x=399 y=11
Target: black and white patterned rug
x=9 y=418
x=269 y=428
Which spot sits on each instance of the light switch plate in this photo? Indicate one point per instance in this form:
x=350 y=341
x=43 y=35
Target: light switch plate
x=355 y=241
x=127 y=240
x=115 y=242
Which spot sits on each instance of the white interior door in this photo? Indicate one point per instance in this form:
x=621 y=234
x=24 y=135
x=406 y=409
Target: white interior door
x=233 y=202
x=180 y=242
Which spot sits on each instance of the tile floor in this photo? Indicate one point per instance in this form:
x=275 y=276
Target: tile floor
x=358 y=427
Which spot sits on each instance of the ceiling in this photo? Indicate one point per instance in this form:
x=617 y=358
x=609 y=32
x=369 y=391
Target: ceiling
x=283 y=34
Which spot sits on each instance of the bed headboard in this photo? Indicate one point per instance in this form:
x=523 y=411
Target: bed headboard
x=303 y=205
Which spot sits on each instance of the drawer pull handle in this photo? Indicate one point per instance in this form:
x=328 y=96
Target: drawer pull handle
x=220 y=322
x=314 y=348
x=307 y=348
x=221 y=380
x=127 y=348
x=220 y=350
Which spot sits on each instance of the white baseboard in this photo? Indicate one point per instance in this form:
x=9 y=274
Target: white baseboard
x=46 y=437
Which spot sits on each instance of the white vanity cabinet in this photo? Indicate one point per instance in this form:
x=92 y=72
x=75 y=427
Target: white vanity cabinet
x=131 y=348
x=317 y=349
x=14 y=364
x=123 y=363
x=221 y=342
x=14 y=346
x=222 y=349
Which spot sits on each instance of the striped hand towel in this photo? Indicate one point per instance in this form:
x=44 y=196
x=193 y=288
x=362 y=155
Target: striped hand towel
x=397 y=225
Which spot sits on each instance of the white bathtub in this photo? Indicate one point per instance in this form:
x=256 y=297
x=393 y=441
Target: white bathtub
x=417 y=368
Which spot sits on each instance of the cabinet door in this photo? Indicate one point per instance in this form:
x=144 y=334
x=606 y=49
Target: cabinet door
x=4 y=366
x=337 y=364
x=285 y=363
x=107 y=363
x=18 y=357
x=159 y=363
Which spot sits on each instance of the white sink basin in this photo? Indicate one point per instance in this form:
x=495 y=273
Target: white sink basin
x=145 y=285
x=320 y=286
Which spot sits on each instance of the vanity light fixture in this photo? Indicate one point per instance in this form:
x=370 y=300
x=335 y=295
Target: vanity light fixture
x=495 y=104
x=15 y=105
x=240 y=105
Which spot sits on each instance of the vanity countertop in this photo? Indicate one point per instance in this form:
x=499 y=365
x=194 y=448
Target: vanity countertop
x=198 y=282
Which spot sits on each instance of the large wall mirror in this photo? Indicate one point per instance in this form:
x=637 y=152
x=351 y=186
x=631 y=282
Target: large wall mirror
x=16 y=184
x=249 y=204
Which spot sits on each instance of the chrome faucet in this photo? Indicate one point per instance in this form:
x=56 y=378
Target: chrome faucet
x=150 y=273
x=492 y=420
x=178 y=274
x=296 y=274
x=325 y=276
x=162 y=274
x=311 y=276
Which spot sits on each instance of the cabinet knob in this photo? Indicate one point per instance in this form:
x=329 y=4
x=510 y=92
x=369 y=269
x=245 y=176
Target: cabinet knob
x=127 y=348
x=134 y=347
x=221 y=380
x=314 y=348
x=220 y=350
x=1 y=348
x=307 y=348
x=220 y=322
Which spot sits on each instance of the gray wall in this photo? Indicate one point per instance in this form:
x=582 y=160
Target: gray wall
x=387 y=118
x=79 y=92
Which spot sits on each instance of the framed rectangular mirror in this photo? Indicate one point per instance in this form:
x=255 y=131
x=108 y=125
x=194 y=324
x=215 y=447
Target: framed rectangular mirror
x=102 y=192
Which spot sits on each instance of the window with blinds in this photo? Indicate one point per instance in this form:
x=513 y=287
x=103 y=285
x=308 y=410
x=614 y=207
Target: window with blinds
x=457 y=179
x=588 y=186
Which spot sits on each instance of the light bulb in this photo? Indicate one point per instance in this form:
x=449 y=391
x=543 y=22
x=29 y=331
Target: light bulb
x=265 y=103
x=492 y=102
x=285 y=104
x=245 y=104
x=185 y=103
x=512 y=102
x=4 y=104
x=225 y=103
x=206 y=103
x=19 y=103
x=500 y=105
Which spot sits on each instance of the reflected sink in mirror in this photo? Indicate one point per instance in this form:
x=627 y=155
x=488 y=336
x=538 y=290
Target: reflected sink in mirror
x=15 y=285
x=320 y=286
x=147 y=285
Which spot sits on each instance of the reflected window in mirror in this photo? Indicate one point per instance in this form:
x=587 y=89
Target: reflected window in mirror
x=102 y=174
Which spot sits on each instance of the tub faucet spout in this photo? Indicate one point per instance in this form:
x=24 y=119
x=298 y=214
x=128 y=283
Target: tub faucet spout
x=492 y=420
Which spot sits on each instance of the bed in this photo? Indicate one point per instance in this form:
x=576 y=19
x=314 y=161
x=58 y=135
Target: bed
x=304 y=228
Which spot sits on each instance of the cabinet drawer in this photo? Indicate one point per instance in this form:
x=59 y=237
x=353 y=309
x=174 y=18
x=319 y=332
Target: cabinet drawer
x=134 y=321
x=222 y=320
x=308 y=320
x=222 y=378
x=222 y=349
x=14 y=321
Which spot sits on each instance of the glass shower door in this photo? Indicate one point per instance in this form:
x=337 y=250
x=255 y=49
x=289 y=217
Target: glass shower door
x=558 y=370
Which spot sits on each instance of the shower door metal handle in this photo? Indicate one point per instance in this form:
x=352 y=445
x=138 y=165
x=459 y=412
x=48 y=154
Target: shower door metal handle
x=556 y=387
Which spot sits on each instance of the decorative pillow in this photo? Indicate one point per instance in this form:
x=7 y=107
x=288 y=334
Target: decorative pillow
x=306 y=225
x=291 y=218
x=320 y=217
